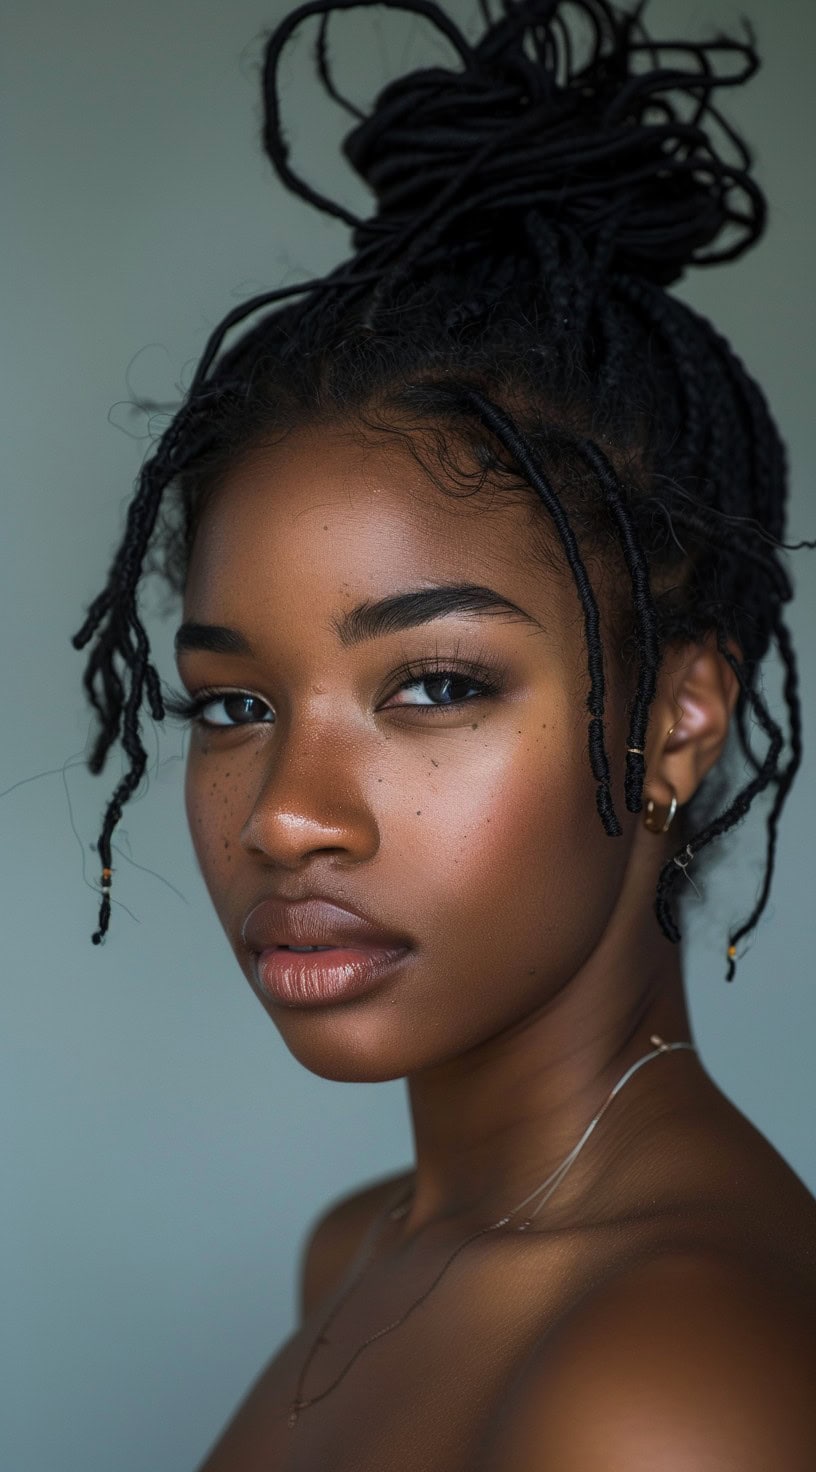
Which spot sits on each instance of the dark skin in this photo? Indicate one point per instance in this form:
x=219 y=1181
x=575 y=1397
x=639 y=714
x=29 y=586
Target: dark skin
x=663 y=1311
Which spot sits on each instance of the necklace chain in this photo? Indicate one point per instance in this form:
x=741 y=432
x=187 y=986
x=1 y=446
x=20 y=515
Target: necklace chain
x=399 y=1208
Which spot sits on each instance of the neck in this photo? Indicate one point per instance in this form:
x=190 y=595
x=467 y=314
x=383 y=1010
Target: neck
x=490 y=1125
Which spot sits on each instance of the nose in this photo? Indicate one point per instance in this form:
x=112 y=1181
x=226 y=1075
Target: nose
x=309 y=800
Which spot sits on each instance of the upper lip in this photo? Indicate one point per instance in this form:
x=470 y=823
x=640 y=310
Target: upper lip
x=312 y=921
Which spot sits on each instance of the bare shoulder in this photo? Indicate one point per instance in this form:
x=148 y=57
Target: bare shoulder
x=691 y=1360
x=334 y=1237
x=329 y=1246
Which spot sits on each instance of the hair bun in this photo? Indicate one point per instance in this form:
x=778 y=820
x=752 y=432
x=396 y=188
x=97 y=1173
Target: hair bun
x=567 y=109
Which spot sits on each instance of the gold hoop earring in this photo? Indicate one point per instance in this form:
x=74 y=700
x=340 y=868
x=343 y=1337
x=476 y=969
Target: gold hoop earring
x=658 y=816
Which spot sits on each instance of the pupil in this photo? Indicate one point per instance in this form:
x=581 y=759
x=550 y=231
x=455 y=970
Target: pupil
x=238 y=706
x=442 y=682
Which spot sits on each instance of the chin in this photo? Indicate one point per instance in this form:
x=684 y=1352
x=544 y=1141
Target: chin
x=351 y=1043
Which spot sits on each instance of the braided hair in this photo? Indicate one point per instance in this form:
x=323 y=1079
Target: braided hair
x=509 y=296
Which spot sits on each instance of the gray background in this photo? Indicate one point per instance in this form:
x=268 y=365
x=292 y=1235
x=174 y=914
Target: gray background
x=162 y=1153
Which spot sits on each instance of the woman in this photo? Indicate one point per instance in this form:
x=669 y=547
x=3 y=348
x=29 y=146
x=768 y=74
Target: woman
x=478 y=542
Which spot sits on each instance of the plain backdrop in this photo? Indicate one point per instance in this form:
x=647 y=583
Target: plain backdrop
x=162 y=1153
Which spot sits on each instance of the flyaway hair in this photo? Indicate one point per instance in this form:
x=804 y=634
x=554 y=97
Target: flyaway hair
x=508 y=296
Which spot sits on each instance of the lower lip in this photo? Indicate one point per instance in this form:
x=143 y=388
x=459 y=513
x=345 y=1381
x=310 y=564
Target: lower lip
x=311 y=979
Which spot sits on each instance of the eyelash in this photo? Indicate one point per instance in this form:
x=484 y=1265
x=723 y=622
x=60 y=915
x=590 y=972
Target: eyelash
x=487 y=678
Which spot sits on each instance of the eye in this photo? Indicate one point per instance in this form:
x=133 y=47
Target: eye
x=224 y=708
x=442 y=688
x=442 y=685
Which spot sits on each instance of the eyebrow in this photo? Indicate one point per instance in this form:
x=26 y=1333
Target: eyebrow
x=375 y=620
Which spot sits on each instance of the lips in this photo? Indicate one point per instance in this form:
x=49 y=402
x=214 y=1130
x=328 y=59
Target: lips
x=314 y=921
x=319 y=979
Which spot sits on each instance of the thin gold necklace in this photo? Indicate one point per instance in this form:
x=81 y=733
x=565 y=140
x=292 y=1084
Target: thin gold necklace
x=392 y=1212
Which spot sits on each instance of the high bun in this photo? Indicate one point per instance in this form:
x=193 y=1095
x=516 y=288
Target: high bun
x=533 y=201
x=610 y=138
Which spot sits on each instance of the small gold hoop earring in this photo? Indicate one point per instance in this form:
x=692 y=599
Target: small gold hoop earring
x=658 y=817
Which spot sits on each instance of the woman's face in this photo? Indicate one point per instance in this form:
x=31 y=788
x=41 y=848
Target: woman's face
x=471 y=828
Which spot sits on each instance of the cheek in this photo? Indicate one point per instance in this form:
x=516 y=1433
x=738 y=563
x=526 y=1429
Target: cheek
x=551 y=864
x=212 y=800
x=525 y=876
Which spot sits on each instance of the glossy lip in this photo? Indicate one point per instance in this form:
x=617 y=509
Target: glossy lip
x=363 y=952
x=326 y=976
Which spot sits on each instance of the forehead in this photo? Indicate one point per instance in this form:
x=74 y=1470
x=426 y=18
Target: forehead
x=322 y=517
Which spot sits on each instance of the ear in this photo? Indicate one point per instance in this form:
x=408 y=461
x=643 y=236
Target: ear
x=689 y=718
